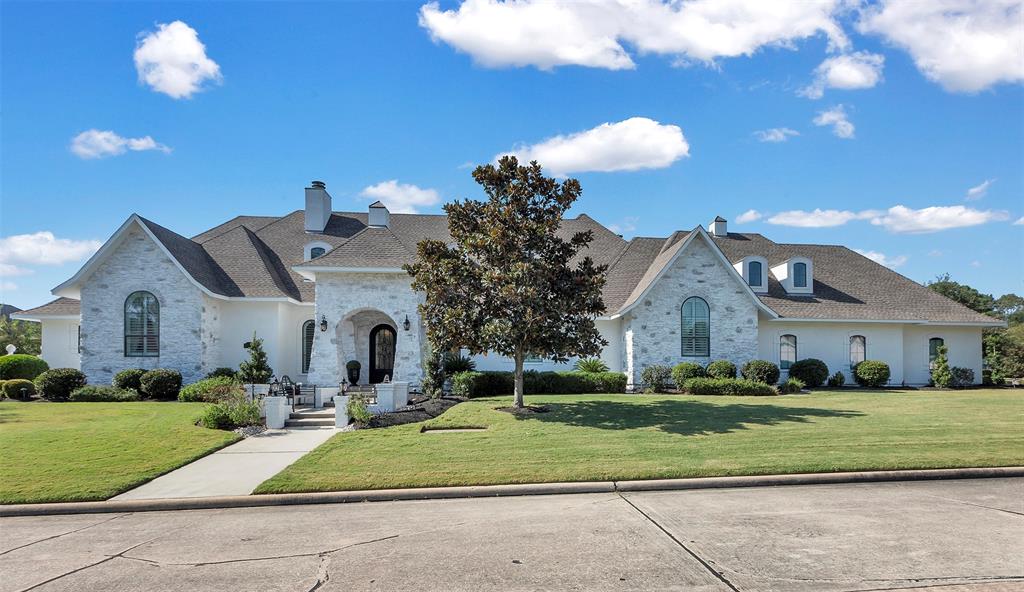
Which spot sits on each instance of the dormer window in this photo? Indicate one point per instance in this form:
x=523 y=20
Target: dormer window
x=796 y=275
x=799 y=275
x=754 y=273
x=315 y=249
x=316 y=252
x=754 y=270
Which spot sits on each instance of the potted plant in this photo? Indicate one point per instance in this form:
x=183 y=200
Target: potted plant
x=353 y=367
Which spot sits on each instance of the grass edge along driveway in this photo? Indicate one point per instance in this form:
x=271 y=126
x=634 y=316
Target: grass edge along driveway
x=59 y=452
x=623 y=437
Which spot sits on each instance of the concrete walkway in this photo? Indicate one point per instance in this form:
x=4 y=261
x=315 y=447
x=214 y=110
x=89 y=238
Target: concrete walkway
x=235 y=470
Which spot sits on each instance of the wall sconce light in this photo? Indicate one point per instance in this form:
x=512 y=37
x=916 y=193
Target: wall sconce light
x=406 y=324
x=323 y=323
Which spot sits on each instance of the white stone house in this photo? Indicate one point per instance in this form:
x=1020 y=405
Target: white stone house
x=323 y=287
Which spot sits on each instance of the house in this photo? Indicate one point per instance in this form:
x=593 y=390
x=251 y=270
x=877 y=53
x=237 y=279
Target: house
x=322 y=287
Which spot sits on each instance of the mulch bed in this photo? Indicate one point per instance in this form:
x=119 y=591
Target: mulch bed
x=420 y=408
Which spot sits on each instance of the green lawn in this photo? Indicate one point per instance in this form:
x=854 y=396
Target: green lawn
x=91 y=451
x=618 y=437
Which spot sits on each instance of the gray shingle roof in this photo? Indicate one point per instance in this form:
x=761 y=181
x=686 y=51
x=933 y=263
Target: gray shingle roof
x=59 y=307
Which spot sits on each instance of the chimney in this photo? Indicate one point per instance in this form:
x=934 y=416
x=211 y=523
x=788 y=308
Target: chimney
x=318 y=207
x=718 y=227
x=379 y=215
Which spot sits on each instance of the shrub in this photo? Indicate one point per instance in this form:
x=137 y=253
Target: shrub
x=606 y=382
x=685 y=371
x=761 y=371
x=161 y=383
x=2 y=389
x=454 y=363
x=655 y=378
x=357 y=409
x=728 y=386
x=21 y=366
x=255 y=370
x=811 y=371
x=101 y=393
x=871 y=373
x=223 y=372
x=129 y=379
x=210 y=390
x=961 y=377
x=482 y=384
x=12 y=388
x=233 y=412
x=487 y=384
x=941 y=375
x=792 y=385
x=592 y=365
x=433 y=377
x=721 y=369
x=59 y=383
x=836 y=380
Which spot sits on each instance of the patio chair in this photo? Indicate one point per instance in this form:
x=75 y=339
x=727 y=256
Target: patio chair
x=304 y=394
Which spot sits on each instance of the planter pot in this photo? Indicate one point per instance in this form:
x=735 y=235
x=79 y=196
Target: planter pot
x=277 y=411
x=353 y=376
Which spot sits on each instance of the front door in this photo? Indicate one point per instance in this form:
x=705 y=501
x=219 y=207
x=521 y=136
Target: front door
x=382 y=353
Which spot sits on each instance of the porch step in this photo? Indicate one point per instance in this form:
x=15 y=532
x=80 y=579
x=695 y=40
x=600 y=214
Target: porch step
x=312 y=415
x=307 y=422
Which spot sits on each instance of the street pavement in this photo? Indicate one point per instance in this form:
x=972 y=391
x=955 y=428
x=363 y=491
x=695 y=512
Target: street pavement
x=950 y=536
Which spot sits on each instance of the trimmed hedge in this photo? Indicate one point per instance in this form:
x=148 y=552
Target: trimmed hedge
x=811 y=371
x=210 y=390
x=21 y=366
x=871 y=373
x=12 y=388
x=761 y=371
x=485 y=384
x=129 y=379
x=721 y=369
x=728 y=386
x=655 y=378
x=161 y=383
x=962 y=377
x=685 y=371
x=59 y=383
x=103 y=393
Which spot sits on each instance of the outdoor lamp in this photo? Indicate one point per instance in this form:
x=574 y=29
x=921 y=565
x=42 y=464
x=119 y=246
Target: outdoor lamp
x=406 y=324
x=323 y=323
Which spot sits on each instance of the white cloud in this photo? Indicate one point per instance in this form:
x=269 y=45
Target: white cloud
x=401 y=198
x=551 y=33
x=883 y=259
x=96 y=143
x=935 y=253
x=173 y=61
x=8 y=286
x=836 y=117
x=1019 y=221
x=748 y=216
x=849 y=71
x=775 y=134
x=41 y=248
x=625 y=226
x=630 y=145
x=964 y=45
x=979 y=191
x=903 y=220
x=819 y=218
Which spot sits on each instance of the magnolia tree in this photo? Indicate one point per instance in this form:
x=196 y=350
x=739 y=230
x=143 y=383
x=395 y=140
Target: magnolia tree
x=511 y=283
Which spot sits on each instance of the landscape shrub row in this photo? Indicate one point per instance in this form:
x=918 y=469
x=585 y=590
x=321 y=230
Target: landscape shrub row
x=104 y=393
x=485 y=384
x=728 y=386
x=809 y=372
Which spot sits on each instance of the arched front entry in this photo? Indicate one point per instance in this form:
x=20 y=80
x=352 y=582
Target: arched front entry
x=382 y=353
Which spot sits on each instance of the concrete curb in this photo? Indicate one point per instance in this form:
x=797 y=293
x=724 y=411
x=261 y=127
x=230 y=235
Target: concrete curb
x=429 y=493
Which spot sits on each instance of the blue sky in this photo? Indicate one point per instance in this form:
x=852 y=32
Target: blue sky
x=359 y=94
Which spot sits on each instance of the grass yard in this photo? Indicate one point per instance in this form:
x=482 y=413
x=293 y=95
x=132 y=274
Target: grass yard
x=619 y=437
x=52 y=452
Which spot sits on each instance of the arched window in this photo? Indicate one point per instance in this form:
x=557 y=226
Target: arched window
x=696 y=328
x=858 y=349
x=787 y=351
x=933 y=350
x=799 y=275
x=754 y=273
x=316 y=252
x=141 y=326
x=308 y=331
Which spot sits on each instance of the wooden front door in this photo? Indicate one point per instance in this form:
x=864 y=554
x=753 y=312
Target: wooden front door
x=382 y=353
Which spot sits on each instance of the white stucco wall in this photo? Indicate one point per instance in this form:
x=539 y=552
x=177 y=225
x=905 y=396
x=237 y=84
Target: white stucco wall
x=830 y=343
x=964 y=345
x=611 y=355
x=278 y=324
x=60 y=343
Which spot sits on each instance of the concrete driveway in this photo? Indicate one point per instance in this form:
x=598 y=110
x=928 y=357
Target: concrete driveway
x=954 y=535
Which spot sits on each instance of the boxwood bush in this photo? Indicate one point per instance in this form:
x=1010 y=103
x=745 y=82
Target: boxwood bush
x=21 y=366
x=728 y=386
x=103 y=393
x=721 y=369
x=130 y=379
x=58 y=384
x=210 y=390
x=12 y=388
x=760 y=371
x=685 y=371
x=655 y=378
x=812 y=372
x=491 y=383
x=871 y=373
x=161 y=383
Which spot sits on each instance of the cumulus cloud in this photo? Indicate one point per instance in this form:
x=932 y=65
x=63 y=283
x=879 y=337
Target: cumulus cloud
x=883 y=259
x=8 y=286
x=41 y=248
x=96 y=143
x=630 y=145
x=551 y=33
x=749 y=216
x=819 y=218
x=1019 y=221
x=903 y=220
x=173 y=61
x=775 y=134
x=964 y=45
x=979 y=191
x=836 y=117
x=401 y=198
x=625 y=226
x=849 y=71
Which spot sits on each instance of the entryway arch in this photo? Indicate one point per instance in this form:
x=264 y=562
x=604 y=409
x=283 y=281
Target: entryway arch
x=383 y=345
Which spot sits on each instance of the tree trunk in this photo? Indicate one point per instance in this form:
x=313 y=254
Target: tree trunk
x=517 y=392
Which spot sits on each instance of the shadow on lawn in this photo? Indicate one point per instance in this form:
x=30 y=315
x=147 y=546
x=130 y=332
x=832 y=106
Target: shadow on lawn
x=682 y=417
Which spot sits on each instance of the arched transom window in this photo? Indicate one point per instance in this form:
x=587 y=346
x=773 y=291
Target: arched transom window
x=858 y=349
x=308 y=331
x=696 y=328
x=141 y=326
x=787 y=351
x=316 y=252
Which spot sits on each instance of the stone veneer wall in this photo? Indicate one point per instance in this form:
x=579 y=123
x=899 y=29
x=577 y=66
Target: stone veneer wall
x=137 y=263
x=651 y=330
x=345 y=299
